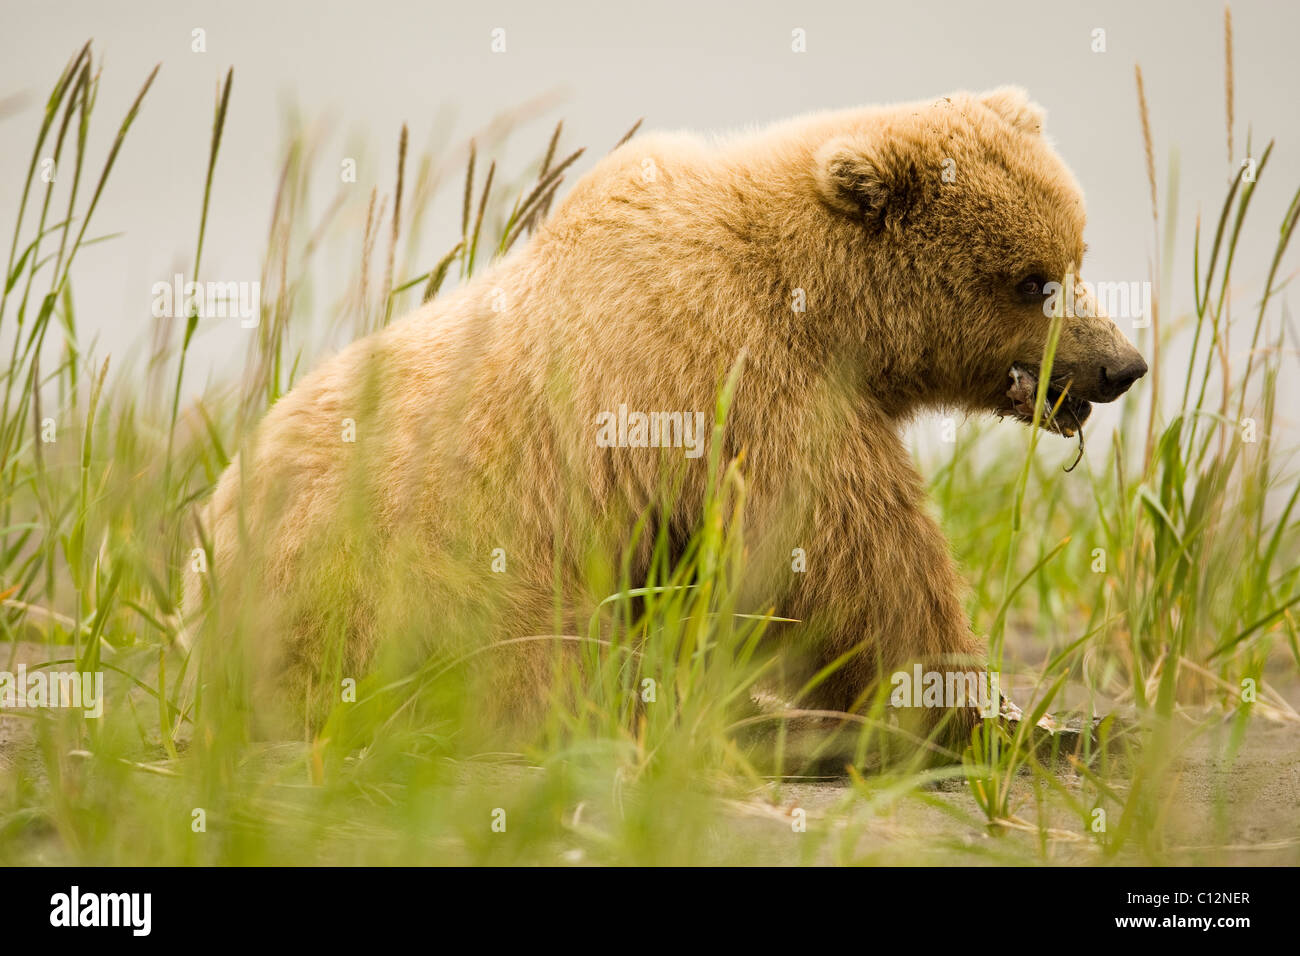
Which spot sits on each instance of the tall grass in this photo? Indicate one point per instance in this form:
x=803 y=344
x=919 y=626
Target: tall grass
x=651 y=749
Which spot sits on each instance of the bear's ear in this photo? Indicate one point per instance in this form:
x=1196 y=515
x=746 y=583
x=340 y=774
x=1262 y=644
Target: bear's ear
x=1012 y=103
x=857 y=179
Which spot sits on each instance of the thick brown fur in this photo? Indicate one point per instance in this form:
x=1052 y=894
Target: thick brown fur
x=475 y=417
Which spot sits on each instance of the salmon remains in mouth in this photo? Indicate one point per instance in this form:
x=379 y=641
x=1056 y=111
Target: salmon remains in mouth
x=1069 y=416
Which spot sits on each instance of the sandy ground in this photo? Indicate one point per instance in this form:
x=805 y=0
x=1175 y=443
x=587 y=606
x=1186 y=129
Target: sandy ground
x=1243 y=810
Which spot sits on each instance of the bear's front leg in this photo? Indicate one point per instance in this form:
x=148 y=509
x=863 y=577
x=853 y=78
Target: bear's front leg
x=877 y=593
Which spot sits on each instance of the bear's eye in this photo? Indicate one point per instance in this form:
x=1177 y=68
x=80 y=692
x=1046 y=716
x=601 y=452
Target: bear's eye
x=1031 y=286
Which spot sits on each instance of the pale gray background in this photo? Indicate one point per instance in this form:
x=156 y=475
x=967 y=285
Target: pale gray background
x=702 y=66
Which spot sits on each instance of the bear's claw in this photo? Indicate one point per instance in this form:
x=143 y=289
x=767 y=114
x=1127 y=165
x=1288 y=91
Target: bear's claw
x=1066 y=734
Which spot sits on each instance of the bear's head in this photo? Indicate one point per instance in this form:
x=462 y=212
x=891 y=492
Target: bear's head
x=967 y=230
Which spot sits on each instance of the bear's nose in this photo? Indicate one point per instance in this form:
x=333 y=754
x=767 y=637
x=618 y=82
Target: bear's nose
x=1115 y=381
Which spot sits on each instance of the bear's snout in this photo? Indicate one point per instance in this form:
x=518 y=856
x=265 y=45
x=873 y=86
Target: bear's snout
x=1098 y=359
x=1117 y=377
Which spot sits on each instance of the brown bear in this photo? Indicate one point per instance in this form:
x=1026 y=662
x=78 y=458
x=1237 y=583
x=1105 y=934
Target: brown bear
x=476 y=457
